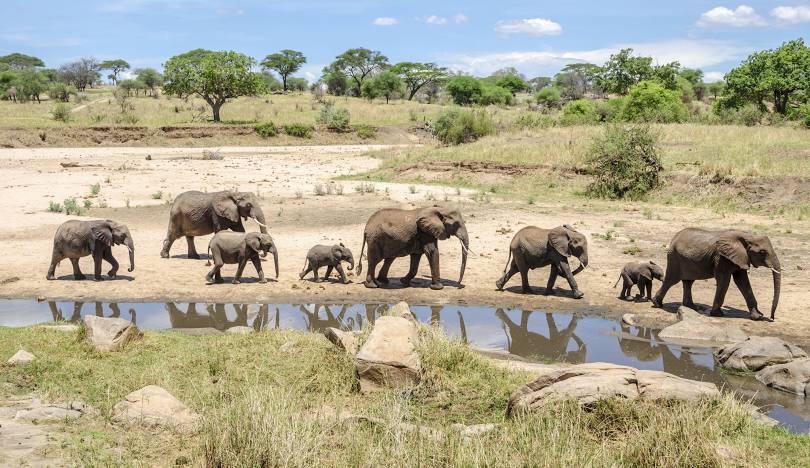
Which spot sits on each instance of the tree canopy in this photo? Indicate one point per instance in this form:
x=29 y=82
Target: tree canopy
x=385 y=84
x=285 y=63
x=115 y=66
x=80 y=73
x=18 y=61
x=416 y=75
x=357 y=64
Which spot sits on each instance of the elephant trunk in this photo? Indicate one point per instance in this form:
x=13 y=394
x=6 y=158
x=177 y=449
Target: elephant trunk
x=464 y=238
x=257 y=215
x=776 y=269
x=351 y=263
x=131 y=247
x=275 y=260
x=583 y=263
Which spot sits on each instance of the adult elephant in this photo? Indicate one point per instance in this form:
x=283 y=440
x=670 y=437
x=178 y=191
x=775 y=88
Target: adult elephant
x=392 y=233
x=75 y=239
x=697 y=254
x=198 y=214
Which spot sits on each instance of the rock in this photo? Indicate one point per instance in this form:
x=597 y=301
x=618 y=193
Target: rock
x=685 y=313
x=630 y=319
x=342 y=339
x=240 y=330
x=532 y=367
x=760 y=417
x=655 y=321
x=48 y=413
x=108 y=333
x=401 y=309
x=155 y=407
x=757 y=352
x=70 y=328
x=793 y=377
x=696 y=329
x=21 y=357
x=388 y=358
x=588 y=383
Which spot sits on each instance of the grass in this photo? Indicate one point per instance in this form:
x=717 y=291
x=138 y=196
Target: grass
x=261 y=407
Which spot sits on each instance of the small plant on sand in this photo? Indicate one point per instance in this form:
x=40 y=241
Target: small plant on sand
x=157 y=195
x=319 y=190
x=213 y=155
x=366 y=132
x=54 y=207
x=87 y=203
x=299 y=194
x=625 y=162
x=266 y=130
x=412 y=188
x=365 y=187
x=95 y=189
x=299 y=130
x=334 y=118
x=61 y=112
x=72 y=207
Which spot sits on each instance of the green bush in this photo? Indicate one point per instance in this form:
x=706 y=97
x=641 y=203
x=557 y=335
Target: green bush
x=61 y=112
x=611 y=110
x=457 y=126
x=625 y=162
x=299 y=130
x=804 y=115
x=527 y=121
x=366 y=132
x=491 y=94
x=465 y=90
x=748 y=115
x=649 y=101
x=54 y=207
x=580 y=112
x=72 y=207
x=335 y=118
x=266 y=130
x=549 y=98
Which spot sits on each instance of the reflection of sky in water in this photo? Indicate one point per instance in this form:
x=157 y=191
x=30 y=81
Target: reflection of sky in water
x=537 y=335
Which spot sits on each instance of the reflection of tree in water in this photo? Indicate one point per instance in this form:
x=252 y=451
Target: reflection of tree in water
x=527 y=343
x=216 y=316
x=115 y=311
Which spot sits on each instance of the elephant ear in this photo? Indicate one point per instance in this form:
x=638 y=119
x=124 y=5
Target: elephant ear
x=732 y=247
x=225 y=207
x=253 y=242
x=646 y=272
x=558 y=237
x=101 y=233
x=337 y=252
x=430 y=221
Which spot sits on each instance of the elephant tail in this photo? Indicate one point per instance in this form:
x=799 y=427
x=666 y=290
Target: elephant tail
x=360 y=260
x=208 y=263
x=306 y=262
x=617 y=281
x=508 y=261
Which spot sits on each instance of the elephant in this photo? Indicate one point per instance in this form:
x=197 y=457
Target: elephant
x=392 y=233
x=523 y=342
x=698 y=254
x=75 y=239
x=199 y=214
x=534 y=247
x=329 y=256
x=641 y=274
x=11 y=94
x=237 y=247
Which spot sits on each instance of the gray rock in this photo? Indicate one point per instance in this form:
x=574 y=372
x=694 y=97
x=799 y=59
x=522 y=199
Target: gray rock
x=108 y=333
x=21 y=357
x=240 y=330
x=630 y=319
x=47 y=413
x=757 y=352
x=532 y=367
x=588 y=383
x=388 y=358
x=696 y=329
x=793 y=377
x=155 y=407
x=685 y=313
x=342 y=339
x=401 y=309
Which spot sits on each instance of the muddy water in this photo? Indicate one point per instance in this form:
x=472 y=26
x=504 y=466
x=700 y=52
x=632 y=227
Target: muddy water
x=536 y=335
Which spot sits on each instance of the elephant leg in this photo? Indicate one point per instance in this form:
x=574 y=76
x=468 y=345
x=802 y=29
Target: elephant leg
x=432 y=252
x=552 y=279
x=56 y=257
x=687 y=294
x=316 y=277
x=328 y=272
x=723 y=280
x=566 y=271
x=382 y=276
x=671 y=277
x=642 y=283
x=649 y=291
x=77 y=273
x=97 y=255
x=239 y=270
x=305 y=272
x=744 y=285
x=108 y=257
x=258 y=265
x=412 y=270
x=214 y=276
x=192 y=249
x=342 y=274
x=506 y=276
x=523 y=268
x=373 y=260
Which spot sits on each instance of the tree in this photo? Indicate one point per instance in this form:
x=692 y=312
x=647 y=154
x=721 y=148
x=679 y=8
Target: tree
x=30 y=84
x=507 y=71
x=623 y=70
x=284 y=63
x=216 y=77
x=18 y=61
x=80 y=73
x=577 y=79
x=297 y=84
x=650 y=101
x=416 y=75
x=539 y=82
x=385 y=84
x=781 y=76
x=549 y=98
x=336 y=81
x=115 y=66
x=359 y=63
x=150 y=78
x=513 y=83
x=465 y=90
x=667 y=74
x=695 y=77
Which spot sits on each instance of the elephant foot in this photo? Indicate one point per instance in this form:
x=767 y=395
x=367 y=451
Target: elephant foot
x=657 y=303
x=691 y=305
x=194 y=256
x=164 y=254
x=112 y=274
x=499 y=285
x=317 y=280
x=79 y=277
x=300 y=276
x=209 y=279
x=577 y=294
x=382 y=280
x=716 y=313
x=50 y=276
x=263 y=280
x=370 y=284
x=757 y=316
x=236 y=281
x=436 y=286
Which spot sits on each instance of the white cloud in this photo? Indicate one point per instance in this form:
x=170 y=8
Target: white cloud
x=742 y=16
x=385 y=21
x=713 y=76
x=437 y=20
x=36 y=40
x=792 y=15
x=460 y=18
x=228 y=12
x=536 y=26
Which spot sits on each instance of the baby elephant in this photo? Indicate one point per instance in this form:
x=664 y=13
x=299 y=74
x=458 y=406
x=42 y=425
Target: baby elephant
x=239 y=247
x=641 y=274
x=329 y=256
x=75 y=239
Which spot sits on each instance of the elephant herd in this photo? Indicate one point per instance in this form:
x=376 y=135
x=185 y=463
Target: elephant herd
x=693 y=254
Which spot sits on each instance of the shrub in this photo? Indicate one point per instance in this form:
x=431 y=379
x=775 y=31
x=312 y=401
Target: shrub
x=72 y=207
x=54 y=207
x=60 y=112
x=266 y=130
x=748 y=115
x=549 y=98
x=491 y=94
x=526 y=121
x=366 y=132
x=299 y=130
x=335 y=118
x=464 y=90
x=611 y=110
x=804 y=115
x=457 y=126
x=60 y=91
x=580 y=112
x=127 y=118
x=649 y=101
x=625 y=161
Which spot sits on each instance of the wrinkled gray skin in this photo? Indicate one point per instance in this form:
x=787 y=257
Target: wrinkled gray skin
x=534 y=247
x=392 y=233
x=329 y=256
x=697 y=254
x=75 y=239
x=237 y=247
x=199 y=214
x=641 y=274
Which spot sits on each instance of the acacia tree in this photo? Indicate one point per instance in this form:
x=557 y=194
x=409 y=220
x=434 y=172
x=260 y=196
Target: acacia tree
x=150 y=78
x=358 y=64
x=80 y=73
x=115 y=66
x=18 y=61
x=386 y=84
x=416 y=75
x=216 y=77
x=284 y=63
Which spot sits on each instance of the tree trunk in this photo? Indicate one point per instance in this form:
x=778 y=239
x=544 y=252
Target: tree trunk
x=284 y=82
x=215 y=110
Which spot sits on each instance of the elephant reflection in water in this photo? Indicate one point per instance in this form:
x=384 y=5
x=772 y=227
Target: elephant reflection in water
x=436 y=320
x=115 y=312
x=215 y=317
x=372 y=311
x=316 y=323
x=526 y=343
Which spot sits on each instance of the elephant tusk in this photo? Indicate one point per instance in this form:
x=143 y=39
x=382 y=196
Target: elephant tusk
x=468 y=250
x=130 y=249
x=257 y=222
x=775 y=271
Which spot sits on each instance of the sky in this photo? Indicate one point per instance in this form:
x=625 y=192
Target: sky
x=477 y=37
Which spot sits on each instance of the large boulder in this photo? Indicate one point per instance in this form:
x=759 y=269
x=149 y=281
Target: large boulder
x=21 y=357
x=155 y=407
x=388 y=358
x=793 y=377
x=109 y=333
x=344 y=340
x=588 y=383
x=697 y=329
x=757 y=352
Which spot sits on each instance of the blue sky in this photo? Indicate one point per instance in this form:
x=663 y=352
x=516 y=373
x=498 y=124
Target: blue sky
x=537 y=37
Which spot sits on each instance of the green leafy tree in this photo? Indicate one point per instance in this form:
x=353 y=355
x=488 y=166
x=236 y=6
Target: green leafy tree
x=716 y=88
x=513 y=83
x=549 y=98
x=465 y=90
x=649 y=101
x=271 y=83
x=297 y=84
x=695 y=77
x=494 y=94
x=18 y=61
x=386 y=84
x=417 y=75
x=30 y=84
x=216 y=77
x=116 y=67
x=623 y=70
x=667 y=75
x=150 y=78
x=337 y=82
x=358 y=64
x=539 y=82
x=285 y=63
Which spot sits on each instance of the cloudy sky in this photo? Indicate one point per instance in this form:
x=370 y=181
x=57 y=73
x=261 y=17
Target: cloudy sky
x=537 y=37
